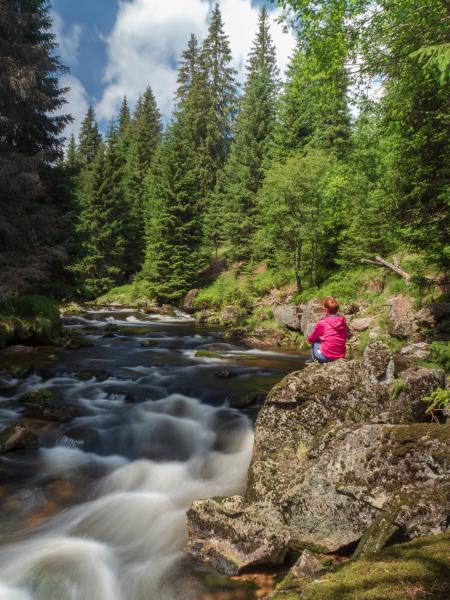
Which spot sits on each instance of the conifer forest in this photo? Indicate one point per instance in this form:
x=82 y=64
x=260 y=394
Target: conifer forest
x=342 y=158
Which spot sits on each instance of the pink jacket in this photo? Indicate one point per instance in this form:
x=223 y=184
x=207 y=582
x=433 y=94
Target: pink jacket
x=331 y=331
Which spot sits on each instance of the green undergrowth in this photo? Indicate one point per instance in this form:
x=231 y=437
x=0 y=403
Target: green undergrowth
x=417 y=569
x=28 y=319
x=242 y=286
x=131 y=294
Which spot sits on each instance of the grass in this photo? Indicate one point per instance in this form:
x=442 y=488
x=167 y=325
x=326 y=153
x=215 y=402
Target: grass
x=27 y=318
x=415 y=570
x=132 y=294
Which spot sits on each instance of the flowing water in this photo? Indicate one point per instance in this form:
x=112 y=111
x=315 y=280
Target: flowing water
x=98 y=513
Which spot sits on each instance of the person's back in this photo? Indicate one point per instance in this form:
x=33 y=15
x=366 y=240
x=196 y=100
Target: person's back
x=330 y=334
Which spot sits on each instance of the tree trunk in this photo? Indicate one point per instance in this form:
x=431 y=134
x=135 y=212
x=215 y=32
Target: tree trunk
x=298 y=264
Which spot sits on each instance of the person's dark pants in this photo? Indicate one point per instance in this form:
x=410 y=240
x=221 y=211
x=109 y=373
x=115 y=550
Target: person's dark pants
x=316 y=354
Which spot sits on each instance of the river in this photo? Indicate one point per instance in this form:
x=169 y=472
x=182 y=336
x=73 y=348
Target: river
x=98 y=513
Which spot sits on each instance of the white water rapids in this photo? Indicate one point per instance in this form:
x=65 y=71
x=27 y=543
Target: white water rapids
x=155 y=455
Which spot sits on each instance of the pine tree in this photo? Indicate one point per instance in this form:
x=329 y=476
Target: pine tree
x=249 y=152
x=314 y=105
x=30 y=146
x=173 y=230
x=89 y=139
x=124 y=117
x=144 y=138
x=101 y=224
x=220 y=106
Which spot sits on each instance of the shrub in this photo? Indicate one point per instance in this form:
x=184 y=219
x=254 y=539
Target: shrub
x=440 y=352
x=438 y=401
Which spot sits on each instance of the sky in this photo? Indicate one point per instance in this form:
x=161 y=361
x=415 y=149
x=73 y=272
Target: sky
x=119 y=47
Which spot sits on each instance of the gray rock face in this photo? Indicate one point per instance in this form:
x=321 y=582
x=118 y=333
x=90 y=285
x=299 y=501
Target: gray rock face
x=360 y=324
x=401 y=317
x=306 y=566
x=331 y=457
x=289 y=315
x=17 y=437
x=232 y=535
x=188 y=301
x=407 y=406
x=311 y=313
x=379 y=361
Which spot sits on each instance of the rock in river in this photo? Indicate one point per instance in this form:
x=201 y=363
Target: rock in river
x=44 y=404
x=17 y=437
x=335 y=452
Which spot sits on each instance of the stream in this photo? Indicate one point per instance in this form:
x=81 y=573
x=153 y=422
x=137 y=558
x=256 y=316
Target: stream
x=98 y=513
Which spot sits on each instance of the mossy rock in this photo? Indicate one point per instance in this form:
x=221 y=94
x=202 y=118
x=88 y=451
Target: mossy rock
x=43 y=404
x=207 y=354
x=17 y=437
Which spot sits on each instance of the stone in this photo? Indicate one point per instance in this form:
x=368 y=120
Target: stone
x=17 y=437
x=417 y=351
x=431 y=316
x=312 y=311
x=225 y=374
x=43 y=404
x=188 y=301
x=306 y=566
x=232 y=314
x=407 y=405
x=147 y=343
x=379 y=361
x=401 y=317
x=245 y=399
x=360 y=324
x=333 y=453
x=289 y=315
x=263 y=337
x=233 y=536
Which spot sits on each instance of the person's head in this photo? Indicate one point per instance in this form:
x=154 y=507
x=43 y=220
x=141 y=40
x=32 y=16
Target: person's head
x=330 y=306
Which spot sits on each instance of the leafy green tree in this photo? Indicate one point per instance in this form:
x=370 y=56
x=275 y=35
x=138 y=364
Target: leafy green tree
x=30 y=146
x=296 y=214
x=249 y=153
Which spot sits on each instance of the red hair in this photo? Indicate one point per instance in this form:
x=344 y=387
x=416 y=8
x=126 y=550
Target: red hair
x=331 y=305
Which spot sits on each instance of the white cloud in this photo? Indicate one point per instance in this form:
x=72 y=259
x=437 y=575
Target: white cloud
x=77 y=103
x=149 y=36
x=68 y=40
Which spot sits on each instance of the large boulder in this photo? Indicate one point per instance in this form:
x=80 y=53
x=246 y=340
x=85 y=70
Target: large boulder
x=17 y=437
x=406 y=404
x=312 y=311
x=401 y=317
x=232 y=535
x=289 y=315
x=379 y=361
x=331 y=455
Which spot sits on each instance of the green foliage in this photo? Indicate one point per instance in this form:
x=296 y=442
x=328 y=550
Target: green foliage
x=437 y=401
x=440 y=352
x=28 y=307
x=243 y=174
x=397 y=387
x=137 y=293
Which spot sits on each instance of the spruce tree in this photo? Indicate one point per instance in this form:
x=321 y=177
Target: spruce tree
x=173 y=226
x=220 y=107
x=89 y=139
x=101 y=224
x=144 y=138
x=30 y=146
x=249 y=152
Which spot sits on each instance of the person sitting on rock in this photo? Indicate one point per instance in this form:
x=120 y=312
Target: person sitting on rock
x=330 y=334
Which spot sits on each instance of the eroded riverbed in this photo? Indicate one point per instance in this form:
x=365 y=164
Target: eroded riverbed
x=98 y=513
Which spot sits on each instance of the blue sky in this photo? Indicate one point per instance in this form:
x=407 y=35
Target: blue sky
x=117 y=47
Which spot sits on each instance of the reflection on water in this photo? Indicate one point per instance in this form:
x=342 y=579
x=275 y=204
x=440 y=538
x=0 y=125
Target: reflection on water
x=99 y=512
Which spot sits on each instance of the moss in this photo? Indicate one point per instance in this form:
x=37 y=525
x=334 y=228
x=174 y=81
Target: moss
x=417 y=569
x=207 y=354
